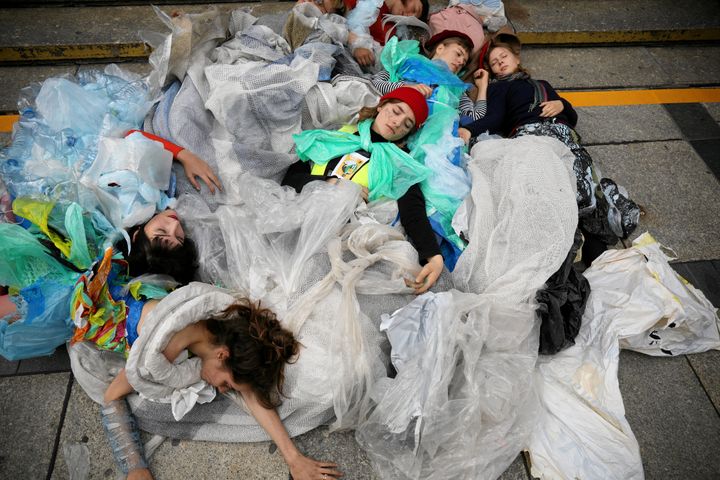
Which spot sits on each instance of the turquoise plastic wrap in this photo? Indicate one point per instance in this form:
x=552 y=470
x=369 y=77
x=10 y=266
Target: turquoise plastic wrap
x=44 y=287
x=43 y=279
x=436 y=144
x=403 y=61
x=23 y=259
x=392 y=171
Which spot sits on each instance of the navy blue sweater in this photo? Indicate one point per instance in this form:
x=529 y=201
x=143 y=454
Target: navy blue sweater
x=508 y=104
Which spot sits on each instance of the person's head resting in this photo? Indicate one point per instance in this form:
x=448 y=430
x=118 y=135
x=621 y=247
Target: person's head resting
x=503 y=55
x=450 y=46
x=250 y=348
x=409 y=8
x=398 y=114
x=161 y=247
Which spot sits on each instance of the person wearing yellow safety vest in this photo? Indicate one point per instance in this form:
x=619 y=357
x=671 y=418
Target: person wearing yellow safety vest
x=373 y=155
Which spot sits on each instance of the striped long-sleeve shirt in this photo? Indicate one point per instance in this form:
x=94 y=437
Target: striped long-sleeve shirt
x=475 y=110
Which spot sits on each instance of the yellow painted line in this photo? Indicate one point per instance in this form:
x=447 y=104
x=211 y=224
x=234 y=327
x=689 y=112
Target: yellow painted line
x=642 y=97
x=622 y=37
x=138 y=50
x=7 y=122
x=133 y=50
x=603 y=98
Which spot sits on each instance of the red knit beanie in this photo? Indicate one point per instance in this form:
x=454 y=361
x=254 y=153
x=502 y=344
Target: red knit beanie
x=414 y=99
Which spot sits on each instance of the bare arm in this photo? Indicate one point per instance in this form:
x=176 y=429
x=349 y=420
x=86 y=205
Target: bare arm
x=301 y=467
x=118 y=388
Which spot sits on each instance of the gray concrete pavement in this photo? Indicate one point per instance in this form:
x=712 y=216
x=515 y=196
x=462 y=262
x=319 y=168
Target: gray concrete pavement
x=659 y=176
x=673 y=419
x=591 y=15
x=31 y=409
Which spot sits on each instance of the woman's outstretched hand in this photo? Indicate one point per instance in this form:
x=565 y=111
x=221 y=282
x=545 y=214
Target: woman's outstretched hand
x=465 y=135
x=304 y=468
x=428 y=275
x=195 y=167
x=551 y=108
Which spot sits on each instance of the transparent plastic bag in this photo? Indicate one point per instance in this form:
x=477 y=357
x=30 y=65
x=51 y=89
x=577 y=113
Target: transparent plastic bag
x=462 y=403
x=56 y=139
x=128 y=178
x=77 y=459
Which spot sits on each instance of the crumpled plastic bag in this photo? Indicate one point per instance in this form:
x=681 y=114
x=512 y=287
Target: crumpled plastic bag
x=637 y=302
x=462 y=404
x=128 y=178
x=77 y=460
x=561 y=304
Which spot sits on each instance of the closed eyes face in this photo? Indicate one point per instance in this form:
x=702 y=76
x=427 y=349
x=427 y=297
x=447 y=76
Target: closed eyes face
x=453 y=54
x=503 y=62
x=166 y=229
x=214 y=372
x=394 y=121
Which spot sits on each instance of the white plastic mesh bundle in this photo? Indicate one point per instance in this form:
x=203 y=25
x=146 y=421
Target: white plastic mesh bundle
x=522 y=223
x=242 y=101
x=463 y=404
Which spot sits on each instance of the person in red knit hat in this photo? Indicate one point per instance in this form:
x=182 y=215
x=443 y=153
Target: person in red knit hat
x=379 y=139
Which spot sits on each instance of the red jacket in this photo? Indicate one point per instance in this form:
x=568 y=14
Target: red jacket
x=377 y=31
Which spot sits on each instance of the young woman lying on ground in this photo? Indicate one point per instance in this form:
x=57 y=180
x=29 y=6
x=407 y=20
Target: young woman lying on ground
x=61 y=265
x=245 y=349
x=519 y=105
x=453 y=49
x=374 y=156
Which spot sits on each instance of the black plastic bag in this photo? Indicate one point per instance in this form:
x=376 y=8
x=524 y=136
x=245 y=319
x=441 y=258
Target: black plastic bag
x=562 y=303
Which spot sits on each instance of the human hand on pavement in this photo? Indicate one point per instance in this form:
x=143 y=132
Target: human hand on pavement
x=139 y=474
x=305 y=468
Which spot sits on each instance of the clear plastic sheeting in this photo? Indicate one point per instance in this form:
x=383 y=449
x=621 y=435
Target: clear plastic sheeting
x=359 y=20
x=516 y=221
x=462 y=404
x=61 y=120
x=636 y=302
x=128 y=178
x=264 y=248
x=306 y=23
x=77 y=460
x=242 y=101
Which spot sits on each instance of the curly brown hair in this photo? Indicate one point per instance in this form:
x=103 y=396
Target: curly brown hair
x=259 y=348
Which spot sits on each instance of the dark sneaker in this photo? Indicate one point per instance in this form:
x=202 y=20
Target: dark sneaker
x=623 y=214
